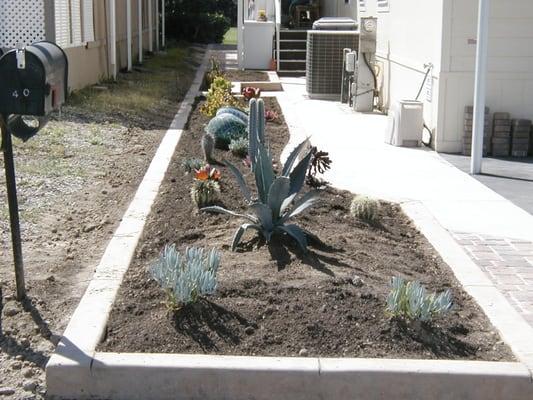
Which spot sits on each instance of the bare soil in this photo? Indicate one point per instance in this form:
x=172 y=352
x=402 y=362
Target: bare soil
x=273 y=300
x=75 y=180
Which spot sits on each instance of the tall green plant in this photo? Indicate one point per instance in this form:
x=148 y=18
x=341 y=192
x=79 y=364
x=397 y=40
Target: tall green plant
x=276 y=201
x=256 y=128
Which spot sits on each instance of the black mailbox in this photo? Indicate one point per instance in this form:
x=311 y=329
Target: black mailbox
x=33 y=80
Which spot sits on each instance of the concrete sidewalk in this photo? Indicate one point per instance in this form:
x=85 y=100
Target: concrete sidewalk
x=497 y=234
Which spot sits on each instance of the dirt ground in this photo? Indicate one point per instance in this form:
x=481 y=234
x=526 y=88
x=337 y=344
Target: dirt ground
x=275 y=300
x=75 y=180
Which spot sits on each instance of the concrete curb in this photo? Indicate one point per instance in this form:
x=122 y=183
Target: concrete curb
x=76 y=370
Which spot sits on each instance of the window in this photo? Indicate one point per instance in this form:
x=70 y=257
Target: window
x=74 y=22
x=383 y=5
x=362 y=5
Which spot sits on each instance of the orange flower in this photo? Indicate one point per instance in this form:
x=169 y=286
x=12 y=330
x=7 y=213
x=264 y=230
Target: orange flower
x=215 y=174
x=201 y=174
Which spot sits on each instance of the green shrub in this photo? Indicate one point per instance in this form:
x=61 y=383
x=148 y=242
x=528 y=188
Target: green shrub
x=199 y=21
x=410 y=300
x=188 y=276
x=365 y=208
x=219 y=95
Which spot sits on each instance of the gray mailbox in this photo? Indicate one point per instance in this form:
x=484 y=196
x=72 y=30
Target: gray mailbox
x=33 y=80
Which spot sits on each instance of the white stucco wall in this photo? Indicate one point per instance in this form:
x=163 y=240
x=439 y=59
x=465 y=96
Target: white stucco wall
x=409 y=36
x=510 y=64
x=338 y=8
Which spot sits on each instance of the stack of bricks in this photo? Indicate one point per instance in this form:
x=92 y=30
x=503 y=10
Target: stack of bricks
x=501 y=135
x=521 y=129
x=468 y=126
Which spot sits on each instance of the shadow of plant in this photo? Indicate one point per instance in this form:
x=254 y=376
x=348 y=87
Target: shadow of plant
x=202 y=320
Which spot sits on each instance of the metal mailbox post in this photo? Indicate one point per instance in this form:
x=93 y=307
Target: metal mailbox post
x=33 y=82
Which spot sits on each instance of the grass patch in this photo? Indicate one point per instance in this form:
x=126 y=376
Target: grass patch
x=141 y=90
x=231 y=36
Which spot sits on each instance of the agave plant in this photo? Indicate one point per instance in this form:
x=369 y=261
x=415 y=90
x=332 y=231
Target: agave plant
x=276 y=204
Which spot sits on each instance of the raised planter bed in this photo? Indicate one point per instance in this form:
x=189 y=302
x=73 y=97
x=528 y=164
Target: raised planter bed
x=273 y=300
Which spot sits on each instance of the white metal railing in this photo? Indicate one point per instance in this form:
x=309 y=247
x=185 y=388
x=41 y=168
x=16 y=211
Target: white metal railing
x=277 y=5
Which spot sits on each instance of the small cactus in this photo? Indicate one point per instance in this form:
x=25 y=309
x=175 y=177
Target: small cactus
x=239 y=147
x=208 y=147
x=256 y=128
x=365 y=208
x=205 y=192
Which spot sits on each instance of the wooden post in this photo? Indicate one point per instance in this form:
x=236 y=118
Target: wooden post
x=11 y=185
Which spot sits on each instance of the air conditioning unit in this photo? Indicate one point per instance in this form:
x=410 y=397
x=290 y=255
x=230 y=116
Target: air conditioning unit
x=325 y=45
x=406 y=123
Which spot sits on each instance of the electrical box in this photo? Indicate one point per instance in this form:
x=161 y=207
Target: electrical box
x=406 y=123
x=368 y=35
x=33 y=80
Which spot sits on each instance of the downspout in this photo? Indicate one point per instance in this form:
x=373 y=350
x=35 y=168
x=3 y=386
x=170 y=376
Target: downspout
x=163 y=23
x=140 y=23
x=128 y=28
x=240 y=33
x=113 y=38
x=156 y=25
x=150 y=28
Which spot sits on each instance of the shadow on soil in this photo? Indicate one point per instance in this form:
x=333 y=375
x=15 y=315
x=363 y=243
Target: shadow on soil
x=200 y=320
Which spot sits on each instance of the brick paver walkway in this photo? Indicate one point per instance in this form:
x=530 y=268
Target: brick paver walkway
x=508 y=263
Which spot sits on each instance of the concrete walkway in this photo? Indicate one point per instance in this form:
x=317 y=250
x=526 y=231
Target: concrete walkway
x=497 y=234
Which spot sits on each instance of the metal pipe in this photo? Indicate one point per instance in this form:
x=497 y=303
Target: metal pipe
x=240 y=33
x=140 y=28
x=113 y=38
x=11 y=185
x=157 y=25
x=163 y=24
x=150 y=28
x=128 y=28
x=480 y=87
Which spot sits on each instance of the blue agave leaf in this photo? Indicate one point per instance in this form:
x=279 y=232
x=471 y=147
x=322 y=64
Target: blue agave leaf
x=298 y=174
x=287 y=168
x=278 y=192
x=264 y=173
x=297 y=234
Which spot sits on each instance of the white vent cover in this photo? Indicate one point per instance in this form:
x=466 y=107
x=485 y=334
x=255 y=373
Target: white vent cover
x=21 y=21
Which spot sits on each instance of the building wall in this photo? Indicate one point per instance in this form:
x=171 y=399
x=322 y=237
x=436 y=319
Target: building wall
x=510 y=64
x=409 y=37
x=89 y=64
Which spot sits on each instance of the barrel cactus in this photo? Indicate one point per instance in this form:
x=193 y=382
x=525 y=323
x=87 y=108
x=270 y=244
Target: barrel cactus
x=234 y=111
x=225 y=127
x=365 y=208
x=205 y=192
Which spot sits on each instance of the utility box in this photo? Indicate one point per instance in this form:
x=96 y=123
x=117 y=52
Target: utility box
x=406 y=124
x=368 y=35
x=33 y=80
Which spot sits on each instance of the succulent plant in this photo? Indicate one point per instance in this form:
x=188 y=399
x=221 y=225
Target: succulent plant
x=205 y=192
x=219 y=95
x=239 y=147
x=234 y=111
x=224 y=128
x=250 y=92
x=256 y=128
x=320 y=163
x=410 y=300
x=208 y=147
x=188 y=276
x=276 y=203
x=365 y=208
x=192 y=164
x=207 y=172
x=271 y=116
